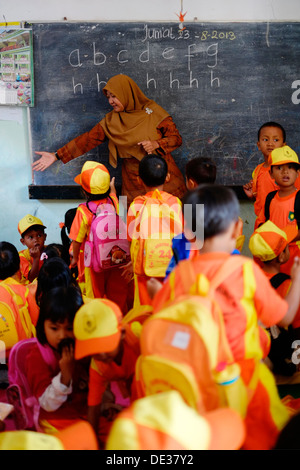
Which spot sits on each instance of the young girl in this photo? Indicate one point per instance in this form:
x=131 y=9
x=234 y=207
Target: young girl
x=56 y=379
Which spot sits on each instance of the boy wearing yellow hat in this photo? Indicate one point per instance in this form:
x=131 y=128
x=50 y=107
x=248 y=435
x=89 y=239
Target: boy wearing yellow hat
x=98 y=190
x=100 y=333
x=270 y=245
x=281 y=205
x=33 y=236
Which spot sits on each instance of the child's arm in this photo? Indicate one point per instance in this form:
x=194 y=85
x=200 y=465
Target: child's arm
x=112 y=186
x=293 y=296
x=76 y=251
x=66 y=364
x=34 y=271
x=248 y=190
x=61 y=386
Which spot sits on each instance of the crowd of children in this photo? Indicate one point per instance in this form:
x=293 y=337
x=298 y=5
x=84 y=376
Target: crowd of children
x=74 y=330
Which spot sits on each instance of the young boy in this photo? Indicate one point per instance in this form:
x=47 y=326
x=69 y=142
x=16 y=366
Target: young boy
x=270 y=245
x=96 y=184
x=15 y=298
x=33 y=236
x=199 y=170
x=152 y=221
x=280 y=209
x=114 y=348
x=245 y=298
x=271 y=135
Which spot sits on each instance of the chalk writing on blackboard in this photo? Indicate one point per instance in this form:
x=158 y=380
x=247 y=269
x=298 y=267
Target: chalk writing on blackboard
x=219 y=82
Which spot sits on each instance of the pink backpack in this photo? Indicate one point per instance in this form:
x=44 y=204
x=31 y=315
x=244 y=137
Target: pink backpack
x=107 y=246
x=26 y=406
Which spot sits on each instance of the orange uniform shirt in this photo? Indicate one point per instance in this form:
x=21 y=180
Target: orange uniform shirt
x=244 y=298
x=103 y=373
x=26 y=265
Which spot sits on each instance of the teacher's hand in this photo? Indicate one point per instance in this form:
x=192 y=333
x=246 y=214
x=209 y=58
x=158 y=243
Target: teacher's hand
x=149 y=145
x=44 y=162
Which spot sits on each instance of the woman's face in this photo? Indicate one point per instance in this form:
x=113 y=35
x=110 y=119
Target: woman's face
x=114 y=102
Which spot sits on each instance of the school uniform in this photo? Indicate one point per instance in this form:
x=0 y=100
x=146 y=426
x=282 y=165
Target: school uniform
x=108 y=283
x=245 y=298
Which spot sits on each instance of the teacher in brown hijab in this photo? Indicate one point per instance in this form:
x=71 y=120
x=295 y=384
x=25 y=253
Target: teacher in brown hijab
x=136 y=126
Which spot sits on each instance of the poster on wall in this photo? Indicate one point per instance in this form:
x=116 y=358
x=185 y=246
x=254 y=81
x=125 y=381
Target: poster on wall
x=16 y=66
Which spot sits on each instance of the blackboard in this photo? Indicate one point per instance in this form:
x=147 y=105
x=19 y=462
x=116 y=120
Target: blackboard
x=219 y=82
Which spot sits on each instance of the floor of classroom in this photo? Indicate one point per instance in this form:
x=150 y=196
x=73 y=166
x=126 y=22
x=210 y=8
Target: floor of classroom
x=286 y=386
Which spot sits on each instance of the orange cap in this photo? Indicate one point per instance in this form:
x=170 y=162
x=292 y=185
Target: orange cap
x=94 y=178
x=97 y=328
x=268 y=240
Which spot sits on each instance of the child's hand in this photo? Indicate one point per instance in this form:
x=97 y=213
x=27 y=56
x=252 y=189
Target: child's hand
x=67 y=364
x=248 y=189
x=112 y=186
x=35 y=252
x=153 y=286
x=295 y=271
x=127 y=271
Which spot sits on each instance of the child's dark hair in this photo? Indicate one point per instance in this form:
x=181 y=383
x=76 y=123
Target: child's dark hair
x=57 y=305
x=95 y=197
x=221 y=208
x=272 y=124
x=9 y=260
x=69 y=217
x=153 y=170
x=57 y=250
x=201 y=170
x=34 y=227
x=54 y=273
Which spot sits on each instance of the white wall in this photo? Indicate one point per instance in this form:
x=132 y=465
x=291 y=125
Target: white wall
x=15 y=158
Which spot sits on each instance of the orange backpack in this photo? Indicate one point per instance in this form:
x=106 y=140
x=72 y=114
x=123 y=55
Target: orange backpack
x=151 y=247
x=15 y=321
x=184 y=347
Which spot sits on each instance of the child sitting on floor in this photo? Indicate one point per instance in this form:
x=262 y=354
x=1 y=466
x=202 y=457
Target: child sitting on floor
x=114 y=348
x=33 y=236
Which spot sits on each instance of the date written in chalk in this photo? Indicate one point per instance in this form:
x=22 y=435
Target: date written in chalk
x=153 y=459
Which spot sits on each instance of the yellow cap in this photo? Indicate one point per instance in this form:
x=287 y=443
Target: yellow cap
x=97 y=328
x=163 y=421
x=27 y=222
x=268 y=240
x=283 y=155
x=94 y=178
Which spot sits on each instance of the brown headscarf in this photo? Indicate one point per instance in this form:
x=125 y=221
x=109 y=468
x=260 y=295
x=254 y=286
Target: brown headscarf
x=137 y=122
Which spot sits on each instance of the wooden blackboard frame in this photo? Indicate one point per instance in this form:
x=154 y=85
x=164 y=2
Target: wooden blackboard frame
x=246 y=74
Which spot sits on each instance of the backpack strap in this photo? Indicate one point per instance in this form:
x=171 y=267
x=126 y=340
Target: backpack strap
x=188 y=275
x=268 y=200
x=278 y=279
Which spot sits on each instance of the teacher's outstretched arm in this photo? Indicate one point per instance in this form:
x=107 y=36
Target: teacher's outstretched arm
x=47 y=158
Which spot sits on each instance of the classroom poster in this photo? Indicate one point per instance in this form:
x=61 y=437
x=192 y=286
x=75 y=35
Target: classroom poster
x=16 y=66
